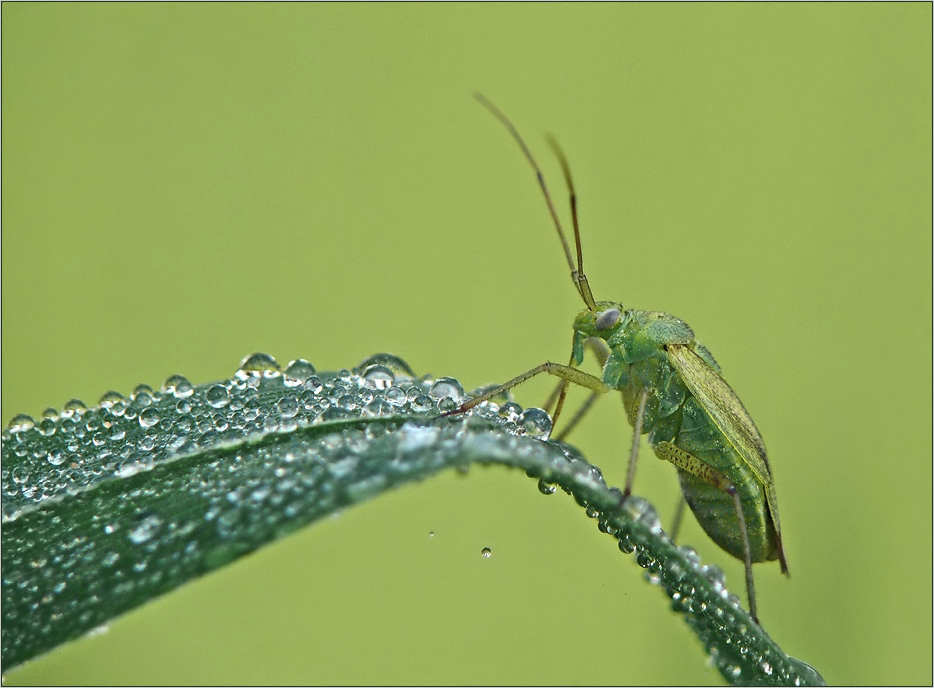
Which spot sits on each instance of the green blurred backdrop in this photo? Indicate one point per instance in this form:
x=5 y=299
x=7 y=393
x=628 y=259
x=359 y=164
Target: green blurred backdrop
x=186 y=184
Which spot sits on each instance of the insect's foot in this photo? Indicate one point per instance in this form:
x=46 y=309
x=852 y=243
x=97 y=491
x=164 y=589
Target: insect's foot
x=463 y=408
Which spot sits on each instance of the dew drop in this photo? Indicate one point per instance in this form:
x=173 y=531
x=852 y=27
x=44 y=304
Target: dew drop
x=379 y=407
x=714 y=574
x=486 y=553
x=535 y=422
x=397 y=366
x=178 y=386
x=395 y=396
x=297 y=372
x=21 y=423
x=288 y=407
x=142 y=395
x=378 y=377
x=148 y=417
x=147 y=526
x=446 y=388
x=73 y=406
x=111 y=398
x=510 y=411
x=258 y=365
x=422 y=403
x=546 y=488
x=47 y=426
x=217 y=396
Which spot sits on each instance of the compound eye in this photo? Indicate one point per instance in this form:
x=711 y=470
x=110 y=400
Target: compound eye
x=607 y=319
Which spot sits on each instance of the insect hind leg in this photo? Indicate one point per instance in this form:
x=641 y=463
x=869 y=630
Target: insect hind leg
x=695 y=466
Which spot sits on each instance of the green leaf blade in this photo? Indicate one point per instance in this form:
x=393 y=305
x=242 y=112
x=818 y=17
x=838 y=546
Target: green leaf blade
x=163 y=487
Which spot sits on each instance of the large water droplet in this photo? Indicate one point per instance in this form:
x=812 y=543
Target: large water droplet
x=536 y=423
x=258 y=365
x=21 y=423
x=297 y=372
x=148 y=417
x=378 y=377
x=446 y=388
x=218 y=396
x=178 y=386
x=398 y=367
x=72 y=407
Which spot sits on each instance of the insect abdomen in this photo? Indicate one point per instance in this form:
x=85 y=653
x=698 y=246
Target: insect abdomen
x=714 y=508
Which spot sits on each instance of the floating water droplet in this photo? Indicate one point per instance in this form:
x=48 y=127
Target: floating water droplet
x=21 y=423
x=297 y=372
x=431 y=533
x=535 y=422
x=258 y=365
x=486 y=553
x=178 y=386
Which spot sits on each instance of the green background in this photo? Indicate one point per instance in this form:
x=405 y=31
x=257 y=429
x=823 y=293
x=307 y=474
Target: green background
x=186 y=184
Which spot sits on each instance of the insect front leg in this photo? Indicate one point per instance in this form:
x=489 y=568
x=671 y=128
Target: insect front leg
x=567 y=373
x=697 y=467
x=601 y=351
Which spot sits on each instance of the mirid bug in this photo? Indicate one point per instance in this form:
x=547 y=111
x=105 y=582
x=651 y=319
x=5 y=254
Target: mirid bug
x=673 y=391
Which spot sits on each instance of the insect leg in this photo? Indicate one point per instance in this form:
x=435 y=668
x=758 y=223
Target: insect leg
x=695 y=466
x=676 y=521
x=565 y=372
x=636 y=435
x=602 y=352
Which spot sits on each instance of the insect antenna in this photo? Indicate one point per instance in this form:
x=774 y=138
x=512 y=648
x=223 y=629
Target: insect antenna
x=577 y=273
x=580 y=279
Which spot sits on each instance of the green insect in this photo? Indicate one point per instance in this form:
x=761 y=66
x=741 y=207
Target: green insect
x=673 y=391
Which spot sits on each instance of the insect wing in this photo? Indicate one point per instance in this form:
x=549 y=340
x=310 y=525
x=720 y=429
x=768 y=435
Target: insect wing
x=731 y=417
x=724 y=407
